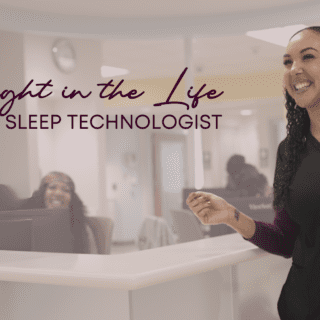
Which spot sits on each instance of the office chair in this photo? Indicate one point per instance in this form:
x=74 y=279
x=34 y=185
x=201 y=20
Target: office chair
x=155 y=232
x=186 y=225
x=102 y=229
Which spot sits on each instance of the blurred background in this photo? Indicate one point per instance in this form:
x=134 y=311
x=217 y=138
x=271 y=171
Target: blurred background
x=129 y=174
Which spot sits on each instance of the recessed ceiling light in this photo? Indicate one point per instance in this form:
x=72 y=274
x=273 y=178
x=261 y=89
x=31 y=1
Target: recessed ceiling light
x=107 y=72
x=279 y=36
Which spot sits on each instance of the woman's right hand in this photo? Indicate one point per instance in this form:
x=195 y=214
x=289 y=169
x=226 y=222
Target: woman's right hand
x=209 y=208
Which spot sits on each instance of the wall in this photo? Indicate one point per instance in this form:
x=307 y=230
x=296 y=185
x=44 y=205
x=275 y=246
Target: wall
x=125 y=169
x=74 y=151
x=244 y=135
x=14 y=144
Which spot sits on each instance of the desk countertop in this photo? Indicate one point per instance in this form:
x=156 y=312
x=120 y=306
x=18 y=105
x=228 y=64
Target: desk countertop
x=128 y=271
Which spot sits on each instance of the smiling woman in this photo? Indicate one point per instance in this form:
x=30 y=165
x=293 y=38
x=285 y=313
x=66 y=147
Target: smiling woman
x=302 y=64
x=57 y=190
x=295 y=231
x=58 y=195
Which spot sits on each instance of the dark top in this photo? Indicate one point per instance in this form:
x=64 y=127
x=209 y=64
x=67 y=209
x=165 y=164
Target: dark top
x=246 y=181
x=295 y=233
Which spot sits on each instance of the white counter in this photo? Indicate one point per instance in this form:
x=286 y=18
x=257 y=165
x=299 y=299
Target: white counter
x=127 y=271
x=135 y=285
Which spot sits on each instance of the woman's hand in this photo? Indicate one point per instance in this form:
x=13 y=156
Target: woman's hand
x=209 y=208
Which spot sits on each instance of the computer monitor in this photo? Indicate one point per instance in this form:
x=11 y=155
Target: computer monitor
x=51 y=228
x=260 y=209
x=16 y=234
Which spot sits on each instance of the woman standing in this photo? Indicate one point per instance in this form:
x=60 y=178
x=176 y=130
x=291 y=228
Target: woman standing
x=295 y=231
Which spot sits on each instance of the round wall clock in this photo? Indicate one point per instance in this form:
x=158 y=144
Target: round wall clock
x=64 y=55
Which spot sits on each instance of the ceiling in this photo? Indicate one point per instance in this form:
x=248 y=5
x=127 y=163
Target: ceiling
x=214 y=56
x=146 y=8
x=147 y=37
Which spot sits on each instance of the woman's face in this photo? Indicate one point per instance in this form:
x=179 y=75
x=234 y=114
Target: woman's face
x=302 y=69
x=57 y=195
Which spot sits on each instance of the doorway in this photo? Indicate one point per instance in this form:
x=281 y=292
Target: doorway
x=170 y=174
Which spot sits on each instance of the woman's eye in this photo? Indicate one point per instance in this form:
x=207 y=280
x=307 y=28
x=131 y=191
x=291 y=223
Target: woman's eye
x=308 y=56
x=286 y=62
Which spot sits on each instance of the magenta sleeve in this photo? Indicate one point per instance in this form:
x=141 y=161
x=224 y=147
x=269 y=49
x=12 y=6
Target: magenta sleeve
x=277 y=238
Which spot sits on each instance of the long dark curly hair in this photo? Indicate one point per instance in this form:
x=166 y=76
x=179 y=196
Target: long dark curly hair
x=298 y=126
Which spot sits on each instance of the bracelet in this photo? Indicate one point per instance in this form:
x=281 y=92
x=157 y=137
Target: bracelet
x=236 y=214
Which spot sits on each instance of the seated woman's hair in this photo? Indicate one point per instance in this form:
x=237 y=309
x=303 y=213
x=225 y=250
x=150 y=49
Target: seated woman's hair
x=235 y=163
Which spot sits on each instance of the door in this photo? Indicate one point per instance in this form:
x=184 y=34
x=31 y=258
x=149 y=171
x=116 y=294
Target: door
x=170 y=176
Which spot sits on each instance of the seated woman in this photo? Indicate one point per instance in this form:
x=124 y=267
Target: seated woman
x=57 y=190
x=244 y=180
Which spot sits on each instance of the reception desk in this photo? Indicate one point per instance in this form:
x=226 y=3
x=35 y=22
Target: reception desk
x=215 y=278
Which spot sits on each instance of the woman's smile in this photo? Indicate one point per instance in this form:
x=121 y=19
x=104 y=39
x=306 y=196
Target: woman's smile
x=57 y=195
x=302 y=86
